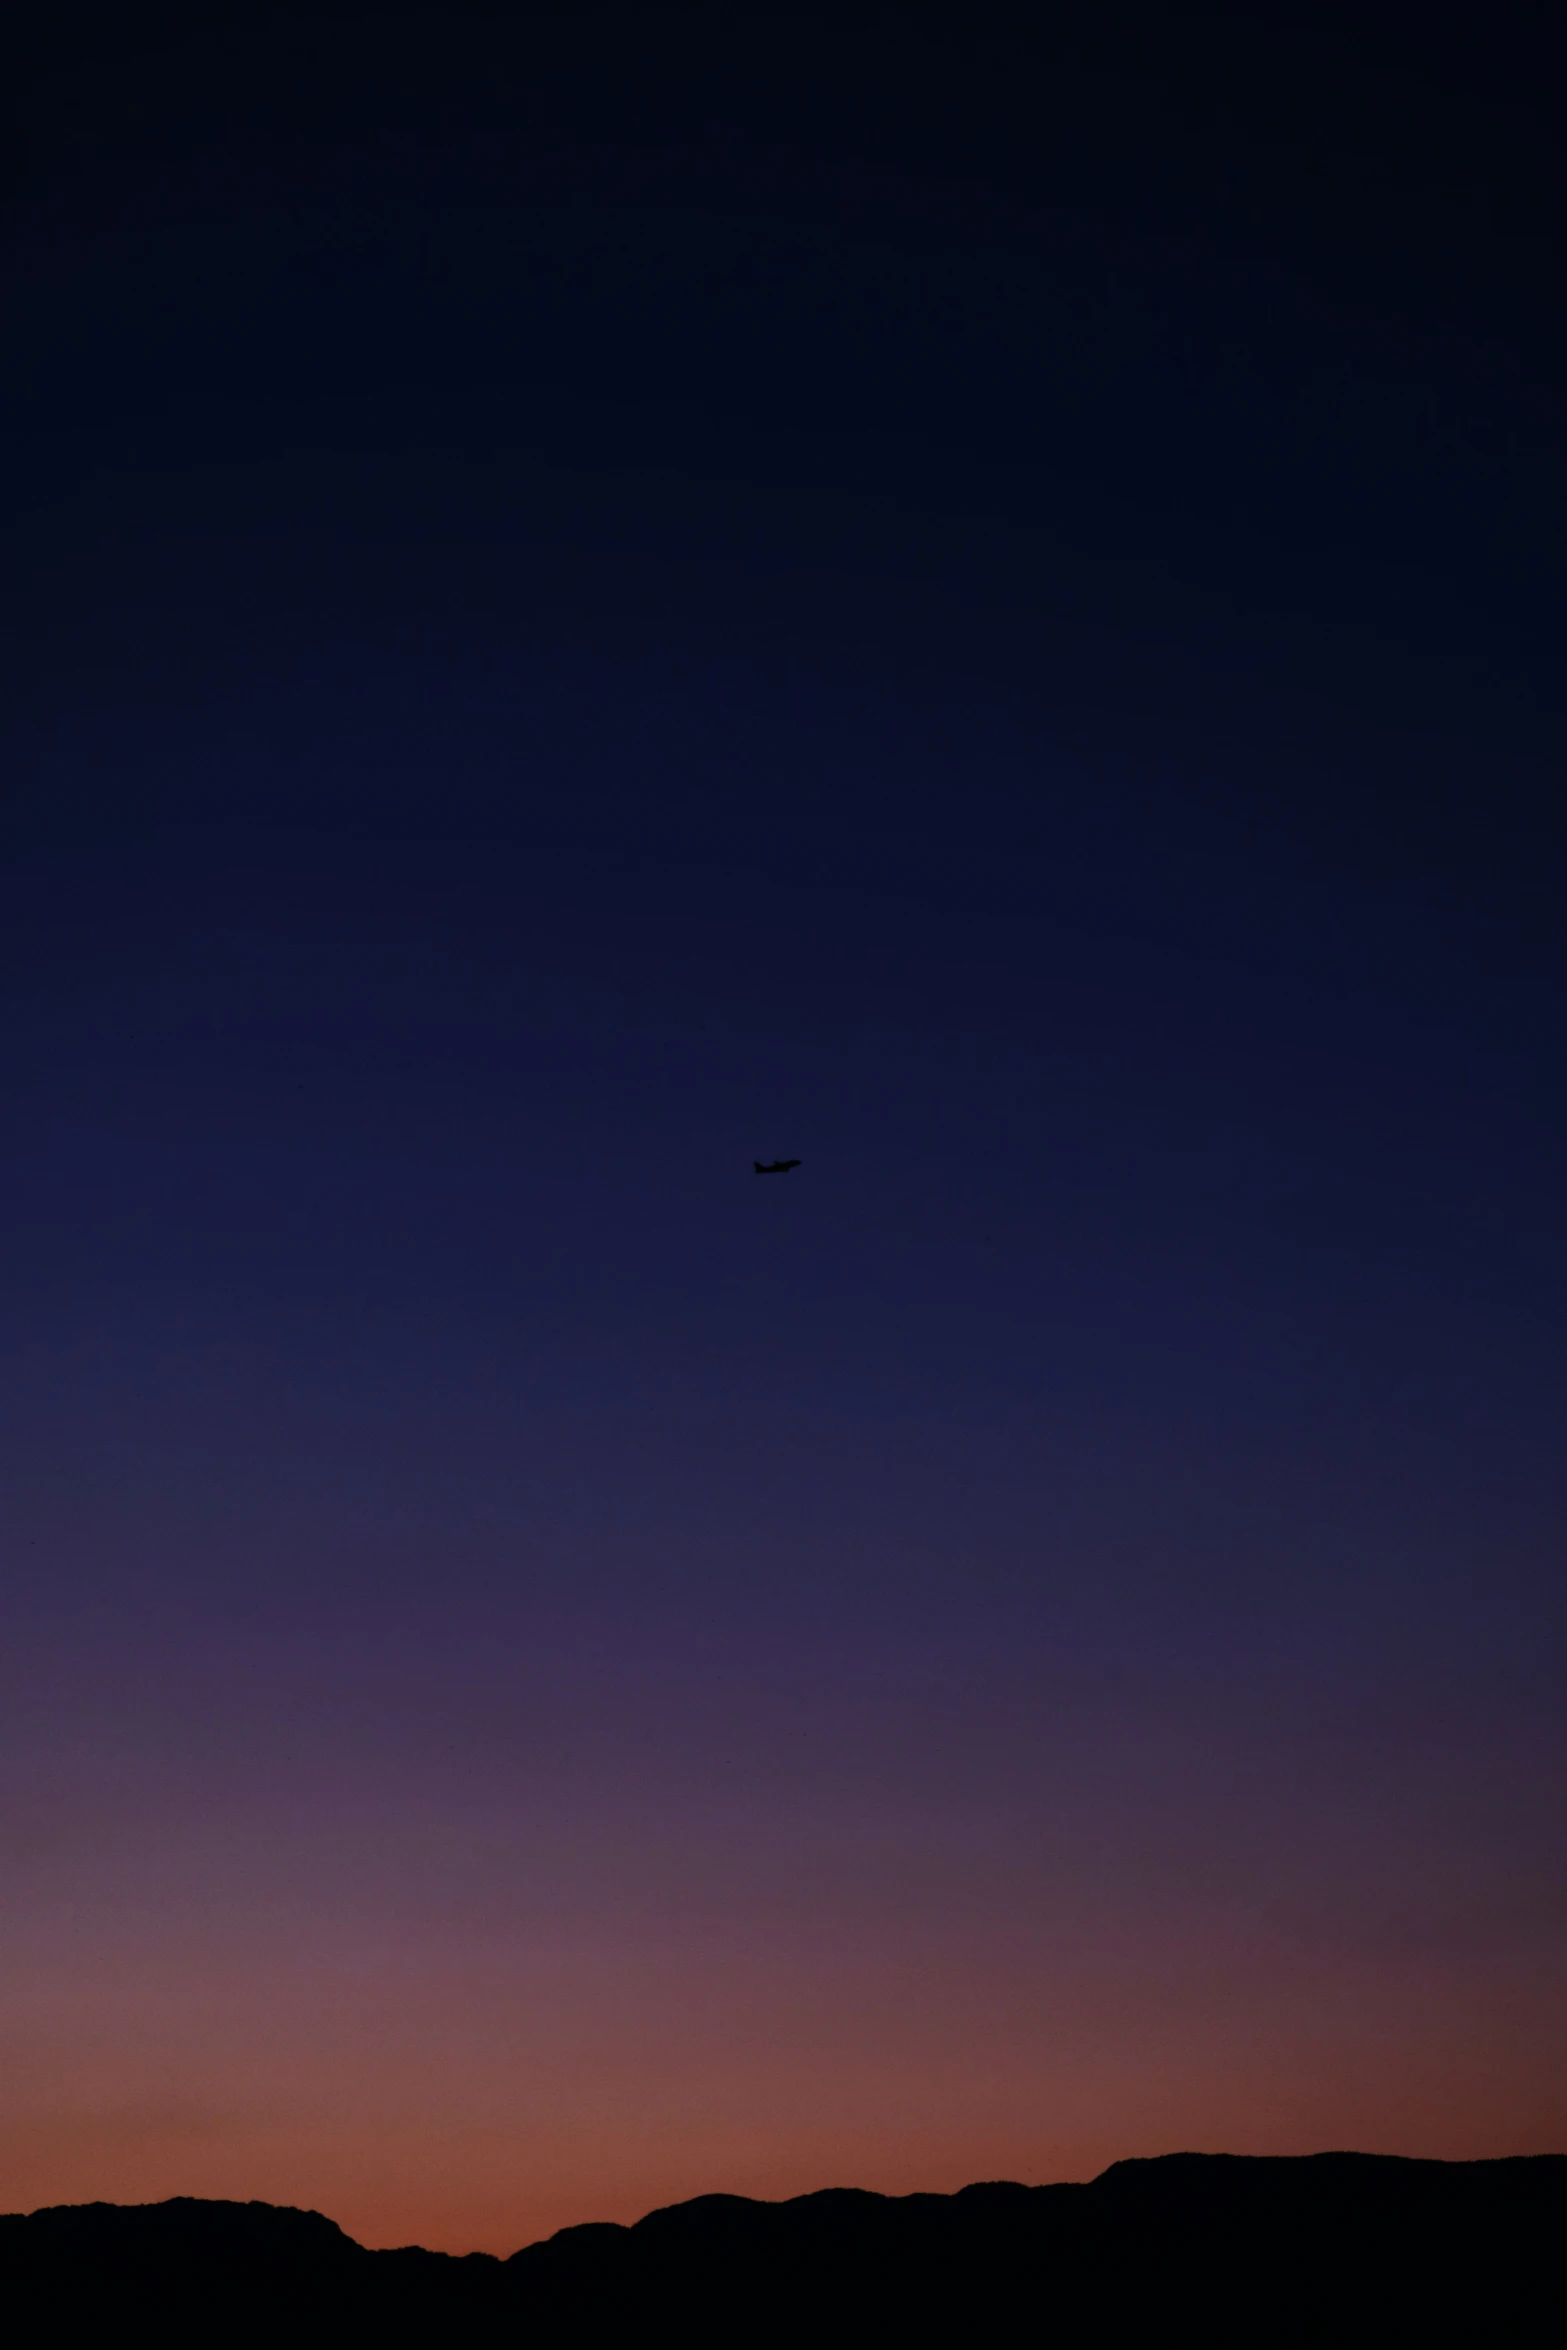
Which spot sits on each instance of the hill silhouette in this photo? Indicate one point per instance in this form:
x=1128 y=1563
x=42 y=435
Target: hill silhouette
x=1275 y=2249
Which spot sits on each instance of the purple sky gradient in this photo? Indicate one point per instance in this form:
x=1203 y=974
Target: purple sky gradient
x=547 y=660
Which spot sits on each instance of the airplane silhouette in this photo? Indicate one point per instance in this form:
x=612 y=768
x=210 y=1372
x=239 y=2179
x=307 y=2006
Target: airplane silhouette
x=778 y=1167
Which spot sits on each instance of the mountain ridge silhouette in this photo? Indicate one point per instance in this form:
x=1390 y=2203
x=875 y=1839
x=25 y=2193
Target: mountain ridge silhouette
x=1335 y=2246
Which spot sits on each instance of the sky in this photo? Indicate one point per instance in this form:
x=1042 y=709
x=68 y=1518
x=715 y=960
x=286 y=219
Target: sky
x=594 y=595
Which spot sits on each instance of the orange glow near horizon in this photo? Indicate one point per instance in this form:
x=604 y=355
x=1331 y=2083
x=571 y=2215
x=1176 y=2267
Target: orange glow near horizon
x=479 y=2100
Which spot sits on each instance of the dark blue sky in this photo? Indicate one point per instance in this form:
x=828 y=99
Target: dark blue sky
x=592 y=595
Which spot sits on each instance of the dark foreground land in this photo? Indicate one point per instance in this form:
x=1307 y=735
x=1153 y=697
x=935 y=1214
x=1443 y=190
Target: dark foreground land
x=1196 y=2248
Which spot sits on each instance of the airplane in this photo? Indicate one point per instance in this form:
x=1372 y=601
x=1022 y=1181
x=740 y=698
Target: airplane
x=778 y=1167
